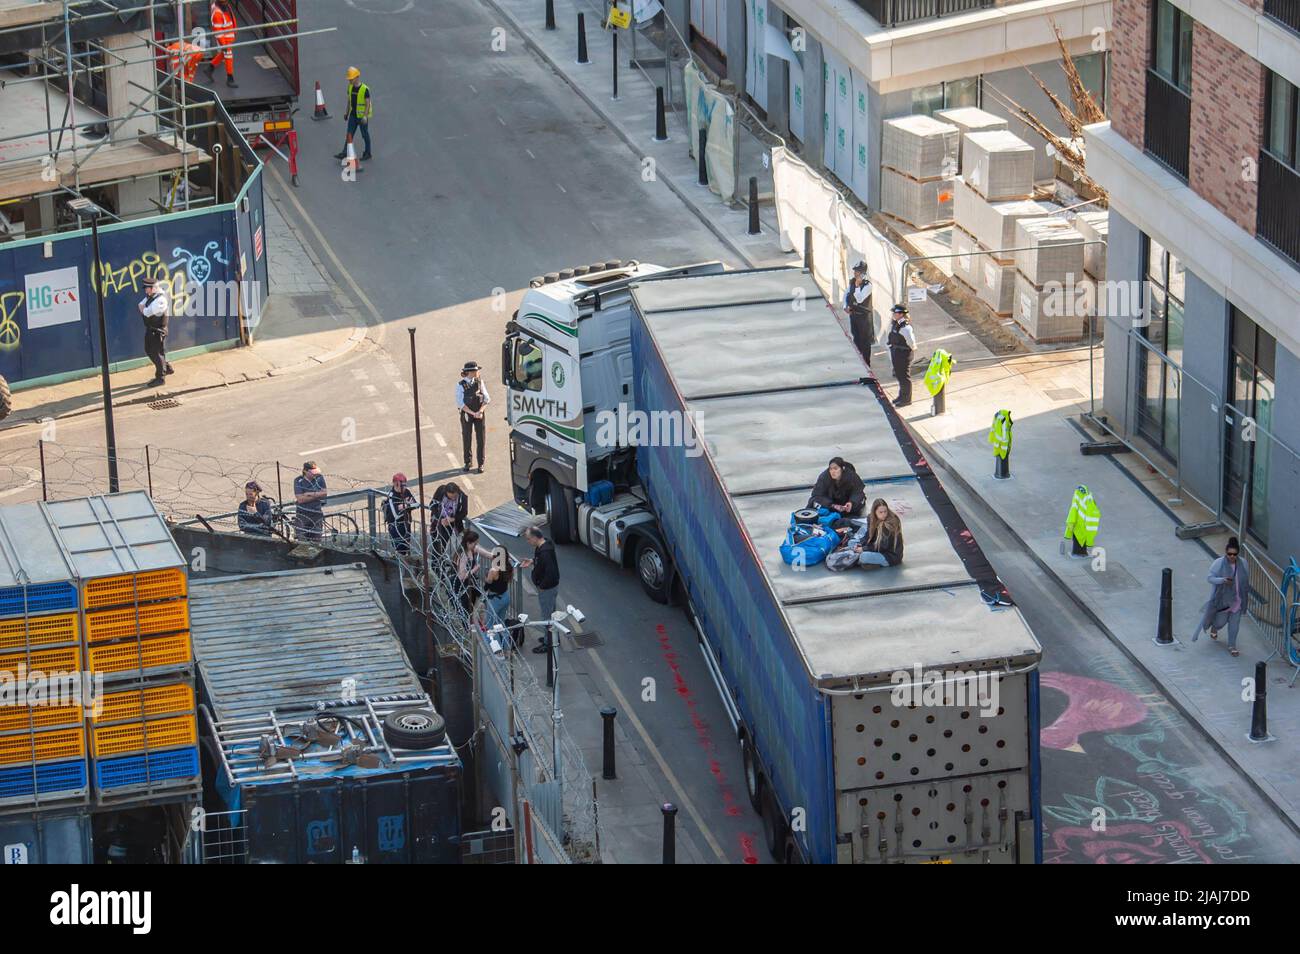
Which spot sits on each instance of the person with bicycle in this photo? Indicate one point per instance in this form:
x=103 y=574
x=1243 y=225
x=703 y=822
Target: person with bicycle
x=254 y=511
x=397 y=513
x=309 y=495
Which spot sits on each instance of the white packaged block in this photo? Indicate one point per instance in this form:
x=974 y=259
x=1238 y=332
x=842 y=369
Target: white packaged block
x=1094 y=226
x=998 y=165
x=919 y=146
x=1051 y=251
x=921 y=204
x=1054 y=314
x=994 y=223
x=969 y=119
x=964 y=249
x=997 y=284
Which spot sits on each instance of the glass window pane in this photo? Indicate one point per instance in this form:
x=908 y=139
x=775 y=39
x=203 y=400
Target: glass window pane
x=1174 y=331
x=927 y=99
x=1176 y=280
x=964 y=92
x=1170 y=409
x=528 y=366
x=1155 y=329
x=1091 y=71
x=1259 y=523
x=1184 y=52
x=1266 y=357
x=1156 y=262
x=1281 y=105
x=1164 y=52
x=1243 y=335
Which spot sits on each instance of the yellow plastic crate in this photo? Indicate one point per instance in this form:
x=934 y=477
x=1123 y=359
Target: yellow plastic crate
x=39 y=631
x=140 y=653
x=48 y=661
x=13 y=718
x=144 y=703
x=49 y=746
x=134 y=736
x=147 y=620
x=135 y=588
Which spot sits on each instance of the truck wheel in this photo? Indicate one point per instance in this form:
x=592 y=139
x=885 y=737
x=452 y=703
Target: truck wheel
x=414 y=729
x=753 y=777
x=773 y=827
x=6 y=399
x=559 y=511
x=652 y=570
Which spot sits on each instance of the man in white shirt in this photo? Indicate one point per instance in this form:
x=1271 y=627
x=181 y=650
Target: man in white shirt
x=902 y=344
x=154 y=311
x=857 y=302
x=471 y=401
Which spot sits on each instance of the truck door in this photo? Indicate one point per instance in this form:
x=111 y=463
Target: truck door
x=546 y=402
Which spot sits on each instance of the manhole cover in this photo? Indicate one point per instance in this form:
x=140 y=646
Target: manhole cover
x=1114 y=577
x=1064 y=394
x=313 y=305
x=587 y=640
x=164 y=404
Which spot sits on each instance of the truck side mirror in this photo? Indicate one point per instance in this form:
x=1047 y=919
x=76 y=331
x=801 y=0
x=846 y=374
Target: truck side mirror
x=507 y=361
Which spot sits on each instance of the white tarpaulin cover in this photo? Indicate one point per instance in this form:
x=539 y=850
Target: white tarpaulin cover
x=643 y=10
x=840 y=234
x=706 y=108
x=756 y=32
x=861 y=140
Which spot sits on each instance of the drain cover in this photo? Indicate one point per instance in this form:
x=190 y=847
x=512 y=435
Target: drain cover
x=1064 y=394
x=586 y=640
x=164 y=404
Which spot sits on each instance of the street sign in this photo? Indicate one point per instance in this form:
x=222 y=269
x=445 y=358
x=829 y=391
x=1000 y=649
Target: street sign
x=620 y=18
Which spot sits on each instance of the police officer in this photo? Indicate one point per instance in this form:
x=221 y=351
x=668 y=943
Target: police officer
x=154 y=311
x=902 y=342
x=471 y=400
x=857 y=302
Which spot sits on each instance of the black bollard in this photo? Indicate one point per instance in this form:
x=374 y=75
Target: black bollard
x=1258 y=711
x=753 y=205
x=1165 y=622
x=807 y=247
x=550 y=659
x=1002 y=467
x=550 y=14
x=661 y=121
x=941 y=400
x=670 y=834
x=582 y=40
x=607 y=714
x=614 y=63
x=703 y=178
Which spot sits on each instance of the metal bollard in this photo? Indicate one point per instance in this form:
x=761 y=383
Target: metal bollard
x=1165 y=622
x=550 y=659
x=753 y=205
x=550 y=14
x=661 y=121
x=807 y=248
x=582 y=40
x=1259 y=710
x=614 y=64
x=703 y=177
x=607 y=714
x=670 y=833
x=941 y=400
x=1002 y=467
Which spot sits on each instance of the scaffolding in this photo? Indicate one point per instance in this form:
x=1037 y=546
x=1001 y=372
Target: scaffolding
x=158 y=145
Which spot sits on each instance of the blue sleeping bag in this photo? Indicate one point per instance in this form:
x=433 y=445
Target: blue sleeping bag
x=809 y=538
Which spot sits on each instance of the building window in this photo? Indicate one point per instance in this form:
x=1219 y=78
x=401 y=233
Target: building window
x=1092 y=71
x=1250 y=393
x=928 y=100
x=1282 y=130
x=1171 y=54
x=1161 y=353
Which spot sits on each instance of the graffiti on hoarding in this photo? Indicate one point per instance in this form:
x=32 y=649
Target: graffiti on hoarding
x=10 y=334
x=198 y=266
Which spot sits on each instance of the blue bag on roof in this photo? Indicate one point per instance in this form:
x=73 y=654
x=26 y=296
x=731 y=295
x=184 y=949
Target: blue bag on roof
x=809 y=538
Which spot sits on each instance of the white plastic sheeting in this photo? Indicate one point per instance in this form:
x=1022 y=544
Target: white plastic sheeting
x=706 y=108
x=756 y=34
x=840 y=234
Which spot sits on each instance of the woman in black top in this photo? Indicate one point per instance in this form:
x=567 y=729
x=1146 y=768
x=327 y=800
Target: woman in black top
x=839 y=488
x=883 y=543
x=397 y=513
x=255 y=511
x=496 y=585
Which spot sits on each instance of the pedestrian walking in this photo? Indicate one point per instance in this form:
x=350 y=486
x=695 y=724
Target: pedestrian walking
x=902 y=342
x=309 y=495
x=472 y=400
x=360 y=108
x=222 y=17
x=546 y=577
x=398 y=505
x=862 y=321
x=154 y=311
x=1229 y=581
x=254 y=511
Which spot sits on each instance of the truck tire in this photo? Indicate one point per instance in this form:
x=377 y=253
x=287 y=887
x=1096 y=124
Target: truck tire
x=753 y=776
x=652 y=570
x=6 y=399
x=414 y=729
x=774 y=827
x=559 y=511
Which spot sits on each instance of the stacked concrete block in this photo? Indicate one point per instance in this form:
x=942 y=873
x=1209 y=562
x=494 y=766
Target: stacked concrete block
x=1050 y=251
x=997 y=284
x=1094 y=226
x=967 y=259
x=998 y=165
x=969 y=119
x=920 y=204
x=1056 y=313
x=993 y=223
x=918 y=157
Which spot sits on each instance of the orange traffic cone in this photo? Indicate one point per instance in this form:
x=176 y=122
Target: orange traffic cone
x=351 y=161
x=320 y=104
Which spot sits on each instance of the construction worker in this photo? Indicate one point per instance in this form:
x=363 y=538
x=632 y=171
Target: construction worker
x=360 y=109
x=223 y=28
x=857 y=302
x=1082 y=522
x=902 y=342
x=184 y=56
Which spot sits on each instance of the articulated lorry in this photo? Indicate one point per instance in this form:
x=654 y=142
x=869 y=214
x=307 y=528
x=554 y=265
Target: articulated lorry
x=673 y=420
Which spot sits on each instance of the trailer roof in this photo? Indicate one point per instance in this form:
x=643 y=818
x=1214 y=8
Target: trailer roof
x=797 y=394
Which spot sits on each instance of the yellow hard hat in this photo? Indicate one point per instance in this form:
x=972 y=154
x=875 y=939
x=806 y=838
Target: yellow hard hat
x=353 y=72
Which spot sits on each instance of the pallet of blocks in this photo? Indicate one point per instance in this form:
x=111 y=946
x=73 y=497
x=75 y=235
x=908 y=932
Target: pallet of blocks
x=1094 y=227
x=918 y=159
x=999 y=165
x=1051 y=302
x=142 y=733
x=993 y=224
x=966 y=259
x=42 y=735
x=969 y=119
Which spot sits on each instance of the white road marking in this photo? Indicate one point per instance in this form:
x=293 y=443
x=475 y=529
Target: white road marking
x=469 y=484
x=452 y=457
x=360 y=374
x=442 y=442
x=530 y=154
x=501 y=121
x=381 y=407
x=370 y=389
x=363 y=440
x=561 y=188
x=402 y=386
x=472 y=89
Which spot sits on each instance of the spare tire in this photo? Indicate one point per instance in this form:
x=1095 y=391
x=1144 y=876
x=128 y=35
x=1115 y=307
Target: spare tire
x=807 y=515
x=415 y=729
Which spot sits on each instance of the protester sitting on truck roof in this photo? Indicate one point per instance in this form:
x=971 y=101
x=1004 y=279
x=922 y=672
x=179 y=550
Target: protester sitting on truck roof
x=882 y=545
x=254 y=511
x=839 y=488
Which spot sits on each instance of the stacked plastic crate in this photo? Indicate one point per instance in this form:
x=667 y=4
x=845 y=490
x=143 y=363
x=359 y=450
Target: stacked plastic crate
x=42 y=737
x=142 y=735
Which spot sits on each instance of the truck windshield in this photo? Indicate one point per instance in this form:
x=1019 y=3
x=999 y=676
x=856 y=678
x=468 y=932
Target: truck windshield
x=528 y=366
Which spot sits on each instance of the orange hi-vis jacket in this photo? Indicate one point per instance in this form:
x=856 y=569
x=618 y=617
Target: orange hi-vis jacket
x=223 y=25
x=193 y=54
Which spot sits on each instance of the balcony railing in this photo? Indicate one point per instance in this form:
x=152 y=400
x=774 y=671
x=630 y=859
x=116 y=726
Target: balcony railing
x=1286 y=12
x=1168 y=123
x=889 y=13
x=1277 y=221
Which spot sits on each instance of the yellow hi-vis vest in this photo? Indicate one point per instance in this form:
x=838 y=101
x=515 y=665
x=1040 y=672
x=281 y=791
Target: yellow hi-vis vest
x=1084 y=518
x=936 y=376
x=364 y=107
x=1000 y=434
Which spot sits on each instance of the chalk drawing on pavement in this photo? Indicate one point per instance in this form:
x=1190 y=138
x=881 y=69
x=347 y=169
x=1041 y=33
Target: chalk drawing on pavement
x=1094 y=706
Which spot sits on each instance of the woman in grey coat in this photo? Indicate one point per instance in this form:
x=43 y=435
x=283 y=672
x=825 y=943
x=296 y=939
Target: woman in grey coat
x=1229 y=581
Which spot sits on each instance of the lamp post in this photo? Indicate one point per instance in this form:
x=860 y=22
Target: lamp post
x=83 y=208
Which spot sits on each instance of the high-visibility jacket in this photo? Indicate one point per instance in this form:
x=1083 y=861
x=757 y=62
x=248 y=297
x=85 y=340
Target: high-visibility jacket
x=1084 y=518
x=363 y=105
x=936 y=376
x=192 y=53
x=1000 y=434
x=223 y=24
